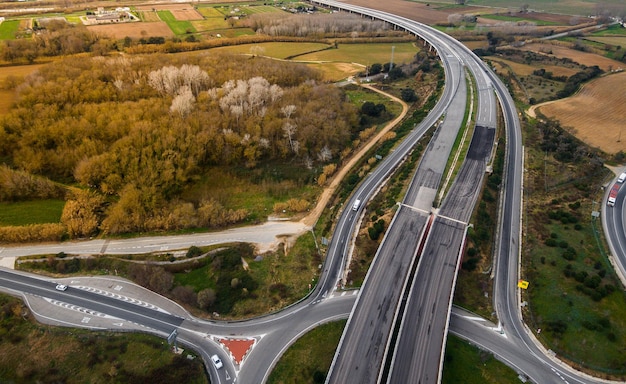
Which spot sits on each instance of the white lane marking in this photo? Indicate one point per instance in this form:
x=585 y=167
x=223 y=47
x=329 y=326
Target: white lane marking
x=123 y=298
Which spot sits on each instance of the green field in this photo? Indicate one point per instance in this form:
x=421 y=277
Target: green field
x=8 y=29
x=209 y=12
x=469 y=365
x=308 y=360
x=260 y=9
x=276 y=50
x=209 y=24
x=611 y=30
x=178 y=27
x=31 y=212
x=365 y=54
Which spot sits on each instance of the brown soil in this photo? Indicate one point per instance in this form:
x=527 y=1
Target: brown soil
x=186 y=14
x=135 y=30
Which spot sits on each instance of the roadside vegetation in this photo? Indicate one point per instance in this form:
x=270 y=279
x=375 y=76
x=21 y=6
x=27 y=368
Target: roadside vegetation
x=308 y=360
x=227 y=282
x=465 y=363
x=32 y=352
x=574 y=295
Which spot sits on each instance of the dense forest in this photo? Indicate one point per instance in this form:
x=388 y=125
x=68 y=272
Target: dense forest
x=131 y=133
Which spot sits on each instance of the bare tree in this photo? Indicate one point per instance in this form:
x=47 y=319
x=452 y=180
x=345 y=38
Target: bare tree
x=184 y=101
x=290 y=131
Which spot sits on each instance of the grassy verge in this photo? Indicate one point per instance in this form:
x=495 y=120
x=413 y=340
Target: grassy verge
x=31 y=353
x=573 y=294
x=308 y=360
x=379 y=214
x=242 y=285
x=470 y=365
x=31 y=212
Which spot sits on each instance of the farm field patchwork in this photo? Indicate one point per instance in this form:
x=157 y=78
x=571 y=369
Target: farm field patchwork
x=209 y=24
x=567 y=7
x=611 y=40
x=364 y=54
x=597 y=113
x=276 y=50
x=584 y=58
x=178 y=27
x=526 y=70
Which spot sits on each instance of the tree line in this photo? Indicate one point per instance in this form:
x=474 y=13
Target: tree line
x=134 y=132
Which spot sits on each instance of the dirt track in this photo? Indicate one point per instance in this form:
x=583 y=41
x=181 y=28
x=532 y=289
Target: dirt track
x=312 y=217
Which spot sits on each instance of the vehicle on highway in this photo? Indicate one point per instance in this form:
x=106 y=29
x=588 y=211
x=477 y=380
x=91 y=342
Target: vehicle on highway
x=356 y=204
x=613 y=195
x=61 y=287
x=217 y=362
x=621 y=177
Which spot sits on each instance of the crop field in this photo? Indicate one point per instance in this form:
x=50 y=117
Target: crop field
x=8 y=29
x=611 y=40
x=186 y=14
x=612 y=30
x=526 y=70
x=261 y=9
x=178 y=27
x=149 y=16
x=275 y=50
x=597 y=113
x=31 y=212
x=209 y=24
x=135 y=30
x=364 y=54
x=210 y=12
x=584 y=58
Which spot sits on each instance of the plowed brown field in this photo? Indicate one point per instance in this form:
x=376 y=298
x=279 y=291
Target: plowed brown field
x=186 y=14
x=597 y=113
x=135 y=30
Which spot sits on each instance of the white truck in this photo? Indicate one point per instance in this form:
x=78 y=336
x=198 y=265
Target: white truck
x=621 y=177
x=356 y=205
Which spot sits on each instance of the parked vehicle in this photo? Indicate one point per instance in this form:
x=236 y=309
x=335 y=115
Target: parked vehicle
x=621 y=177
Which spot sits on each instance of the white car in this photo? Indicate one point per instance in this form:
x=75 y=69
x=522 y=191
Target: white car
x=216 y=361
x=61 y=287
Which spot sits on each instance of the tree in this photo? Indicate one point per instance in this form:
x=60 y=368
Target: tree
x=408 y=95
x=81 y=214
x=376 y=68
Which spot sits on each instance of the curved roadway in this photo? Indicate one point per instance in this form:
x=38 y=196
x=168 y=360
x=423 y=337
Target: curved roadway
x=274 y=332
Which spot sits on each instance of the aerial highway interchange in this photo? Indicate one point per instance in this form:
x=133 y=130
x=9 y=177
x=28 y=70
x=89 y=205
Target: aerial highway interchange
x=408 y=290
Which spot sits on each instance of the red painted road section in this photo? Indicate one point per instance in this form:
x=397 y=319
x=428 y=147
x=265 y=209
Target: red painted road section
x=238 y=347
